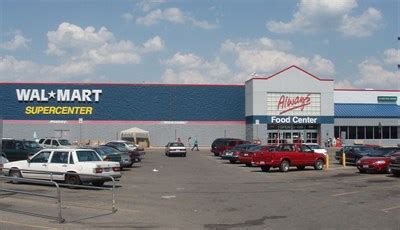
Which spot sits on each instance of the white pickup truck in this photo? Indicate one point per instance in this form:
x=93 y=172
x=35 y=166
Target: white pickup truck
x=73 y=166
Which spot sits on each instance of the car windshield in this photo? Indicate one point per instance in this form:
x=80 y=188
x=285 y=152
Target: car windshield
x=314 y=146
x=383 y=152
x=64 y=142
x=108 y=150
x=31 y=144
x=100 y=151
x=176 y=144
x=255 y=148
x=84 y=156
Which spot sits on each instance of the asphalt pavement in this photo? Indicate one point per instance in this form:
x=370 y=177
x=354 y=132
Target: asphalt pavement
x=201 y=191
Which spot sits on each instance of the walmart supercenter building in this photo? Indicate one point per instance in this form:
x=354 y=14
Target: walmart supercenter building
x=289 y=105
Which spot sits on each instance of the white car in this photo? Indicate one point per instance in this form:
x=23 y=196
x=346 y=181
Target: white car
x=317 y=148
x=175 y=148
x=56 y=143
x=65 y=165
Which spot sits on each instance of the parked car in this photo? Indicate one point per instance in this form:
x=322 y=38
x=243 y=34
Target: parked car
x=108 y=153
x=246 y=157
x=67 y=165
x=3 y=159
x=288 y=155
x=220 y=145
x=377 y=161
x=395 y=164
x=317 y=148
x=175 y=148
x=19 y=149
x=126 y=144
x=56 y=143
x=233 y=154
x=354 y=153
x=122 y=146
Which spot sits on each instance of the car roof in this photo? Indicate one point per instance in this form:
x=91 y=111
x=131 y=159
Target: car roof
x=69 y=149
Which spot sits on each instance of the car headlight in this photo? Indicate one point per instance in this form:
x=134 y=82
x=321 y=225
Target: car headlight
x=393 y=158
x=380 y=162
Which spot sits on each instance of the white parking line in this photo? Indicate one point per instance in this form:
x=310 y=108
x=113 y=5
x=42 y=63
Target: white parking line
x=345 y=193
x=388 y=209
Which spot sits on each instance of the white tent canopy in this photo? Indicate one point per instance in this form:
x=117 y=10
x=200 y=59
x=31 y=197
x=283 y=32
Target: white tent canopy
x=136 y=135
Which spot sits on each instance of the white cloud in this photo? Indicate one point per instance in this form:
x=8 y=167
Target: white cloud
x=11 y=66
x=174 y=15
x=18 y=42
x=85 y=48
x=189 y=68
x=392 y=56
x=361 y=26
x=374 y=75
x=147 y=5
x=153 y=44
x=267 y=56
x=317 y=15
x=344 y=84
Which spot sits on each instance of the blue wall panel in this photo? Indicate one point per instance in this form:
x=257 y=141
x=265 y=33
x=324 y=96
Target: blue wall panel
x=136 y=102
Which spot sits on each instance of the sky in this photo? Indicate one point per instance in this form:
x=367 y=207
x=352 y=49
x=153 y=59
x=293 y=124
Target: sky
x=199 y=41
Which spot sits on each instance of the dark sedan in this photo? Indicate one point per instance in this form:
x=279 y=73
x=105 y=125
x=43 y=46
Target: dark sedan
x=108 y=153
x=136 y=156
x=233 y=154
x=355 y=153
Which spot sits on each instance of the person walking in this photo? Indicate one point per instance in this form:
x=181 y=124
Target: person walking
x=189 y=142
x=195 y=144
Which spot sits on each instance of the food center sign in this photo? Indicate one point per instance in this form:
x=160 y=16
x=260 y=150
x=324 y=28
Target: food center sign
x=294 y=104
x=62 y=96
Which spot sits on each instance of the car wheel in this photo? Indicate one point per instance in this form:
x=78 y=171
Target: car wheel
x=72 y=179
x=284 y=167
x=362 y=170
x=301 y=167
x=139 y=160
x=232 y=161
x=216 y=154
x=319 y=164
x=15 y=173
x=167 y=154
x=265 y=168
x=98 y=183
x=130 y=164
x=248 y=164
x=184 y=155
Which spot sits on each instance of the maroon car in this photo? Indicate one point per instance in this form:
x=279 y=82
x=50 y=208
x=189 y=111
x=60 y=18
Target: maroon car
x=288 y=155
x=377 y=161
x=246 y=157
x=223 y=144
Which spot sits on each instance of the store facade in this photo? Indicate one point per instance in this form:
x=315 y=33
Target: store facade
x=292 y=105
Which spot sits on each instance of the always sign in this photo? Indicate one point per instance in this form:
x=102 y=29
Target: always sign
x=286 y=104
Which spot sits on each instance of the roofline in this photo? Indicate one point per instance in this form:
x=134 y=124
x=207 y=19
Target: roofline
x=369 y=90
x=292 y=66
x=113 y=84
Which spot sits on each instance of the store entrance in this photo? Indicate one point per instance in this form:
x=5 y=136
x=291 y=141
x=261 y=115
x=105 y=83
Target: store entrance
x=289 y=133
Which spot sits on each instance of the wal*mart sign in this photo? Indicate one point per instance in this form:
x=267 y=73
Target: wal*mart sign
x=294 y=120
x=60 y=95
x=51 y=98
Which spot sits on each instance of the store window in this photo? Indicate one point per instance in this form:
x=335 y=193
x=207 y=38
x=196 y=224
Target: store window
x=385 y=132
x=360 y=132
x=352 y=132
x=369 y=132
x=377 y=132
x=393 y=132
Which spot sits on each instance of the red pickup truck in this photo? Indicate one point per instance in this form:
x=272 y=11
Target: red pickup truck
x=289 y=155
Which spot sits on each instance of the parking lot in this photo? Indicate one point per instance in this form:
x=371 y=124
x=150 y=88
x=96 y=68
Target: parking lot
x=201 y=191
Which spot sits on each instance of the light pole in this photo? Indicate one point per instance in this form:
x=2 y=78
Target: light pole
x=380 y=133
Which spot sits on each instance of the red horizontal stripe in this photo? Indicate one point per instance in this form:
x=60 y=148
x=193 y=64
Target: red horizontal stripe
x=90 y=122
x=112 y=84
